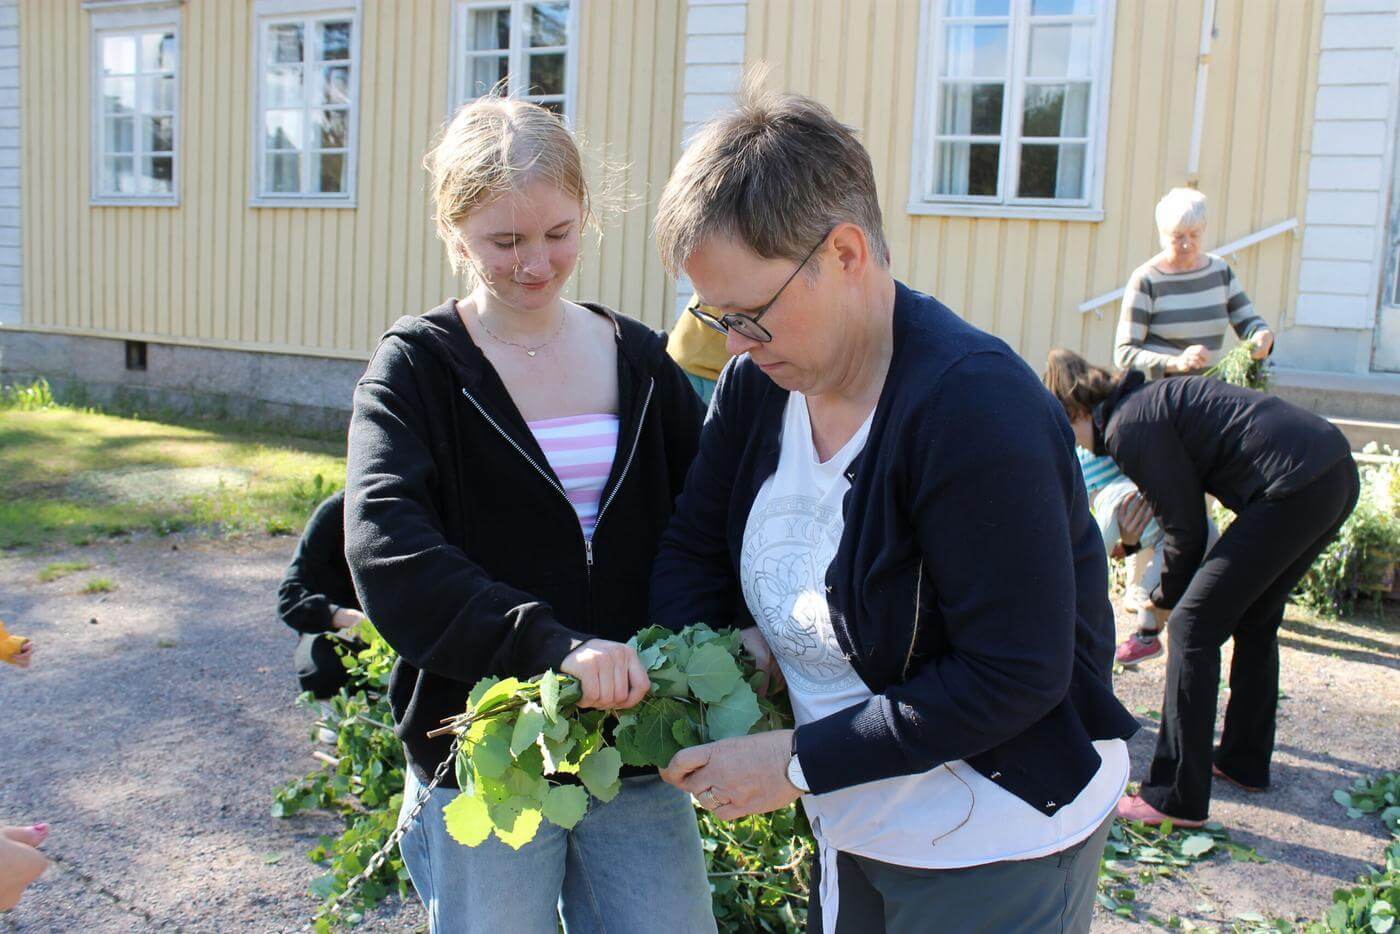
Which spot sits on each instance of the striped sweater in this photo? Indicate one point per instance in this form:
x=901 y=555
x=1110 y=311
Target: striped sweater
x=1164 y=313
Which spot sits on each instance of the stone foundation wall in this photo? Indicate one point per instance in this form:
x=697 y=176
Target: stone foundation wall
x=282 y=391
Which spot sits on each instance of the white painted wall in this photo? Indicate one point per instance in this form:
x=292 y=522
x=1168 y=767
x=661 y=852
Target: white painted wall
x=1349 y=174
x=10 y=265
x=714 y=65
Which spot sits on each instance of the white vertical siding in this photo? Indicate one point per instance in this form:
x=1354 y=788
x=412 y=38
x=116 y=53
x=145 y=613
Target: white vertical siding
x=11 y=256
x=1343 y=261
x=714 y=67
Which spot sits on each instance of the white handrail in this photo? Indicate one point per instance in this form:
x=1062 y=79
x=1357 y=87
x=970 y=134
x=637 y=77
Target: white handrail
x=1228 y=249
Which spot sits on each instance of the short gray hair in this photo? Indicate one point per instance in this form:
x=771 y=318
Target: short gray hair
x=777 y=174
x=1181 y=209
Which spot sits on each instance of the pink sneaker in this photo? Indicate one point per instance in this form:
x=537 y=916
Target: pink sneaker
x=1131 y=808
x=1136 y=649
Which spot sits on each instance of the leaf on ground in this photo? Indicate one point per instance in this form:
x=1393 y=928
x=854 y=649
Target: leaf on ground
x=734 y=714
x=712 y=672
x=527 y=729
x=599 y=773
x=468 y=820
x=565 y=805
x=1197 y=845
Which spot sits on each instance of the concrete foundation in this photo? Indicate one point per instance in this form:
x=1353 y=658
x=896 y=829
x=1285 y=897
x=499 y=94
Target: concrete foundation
x=302 y=394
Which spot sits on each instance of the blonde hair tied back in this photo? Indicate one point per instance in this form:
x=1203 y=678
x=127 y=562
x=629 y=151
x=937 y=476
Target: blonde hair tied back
x=492 y=146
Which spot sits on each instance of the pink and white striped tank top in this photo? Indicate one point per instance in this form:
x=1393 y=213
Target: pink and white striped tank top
x=580 y=449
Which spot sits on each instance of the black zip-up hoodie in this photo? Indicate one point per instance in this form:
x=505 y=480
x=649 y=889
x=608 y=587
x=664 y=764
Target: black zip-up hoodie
x=465 y=552
x=1181 y=438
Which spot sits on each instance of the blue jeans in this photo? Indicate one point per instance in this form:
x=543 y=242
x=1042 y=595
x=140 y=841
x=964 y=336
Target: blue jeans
x=632 y=864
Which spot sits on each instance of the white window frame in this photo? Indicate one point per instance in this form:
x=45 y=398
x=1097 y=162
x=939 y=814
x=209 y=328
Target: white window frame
x=922 y=200
x=124 y=19
x=458 y=93
x=271 y=12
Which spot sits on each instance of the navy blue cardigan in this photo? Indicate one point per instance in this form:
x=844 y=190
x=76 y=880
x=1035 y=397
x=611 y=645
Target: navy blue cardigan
x=969 y=590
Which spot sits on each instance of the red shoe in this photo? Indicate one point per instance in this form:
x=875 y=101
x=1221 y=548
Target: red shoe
x=1135 y=650
x=1252 y=789
x=1133 y=808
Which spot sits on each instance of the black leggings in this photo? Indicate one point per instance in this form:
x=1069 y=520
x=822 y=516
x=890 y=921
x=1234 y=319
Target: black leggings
x=1239 y=592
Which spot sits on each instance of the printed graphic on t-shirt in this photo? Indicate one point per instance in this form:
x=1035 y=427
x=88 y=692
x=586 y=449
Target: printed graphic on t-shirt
x=788 y=540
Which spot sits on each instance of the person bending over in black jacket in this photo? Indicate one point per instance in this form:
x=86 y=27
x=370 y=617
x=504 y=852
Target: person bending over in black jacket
x=317 y=599
x=1290 y=479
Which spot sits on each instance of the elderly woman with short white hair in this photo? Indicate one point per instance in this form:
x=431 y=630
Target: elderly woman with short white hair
x=1178 y=305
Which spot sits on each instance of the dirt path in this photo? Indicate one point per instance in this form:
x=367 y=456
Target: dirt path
x=152 y=741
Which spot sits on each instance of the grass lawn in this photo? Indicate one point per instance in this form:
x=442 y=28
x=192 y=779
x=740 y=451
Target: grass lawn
x=70 y=476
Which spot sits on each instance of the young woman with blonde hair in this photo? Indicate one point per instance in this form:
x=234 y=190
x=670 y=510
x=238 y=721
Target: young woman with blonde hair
x=513 y=460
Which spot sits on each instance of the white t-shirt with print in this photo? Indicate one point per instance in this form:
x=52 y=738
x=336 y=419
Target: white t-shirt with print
x=948 y=817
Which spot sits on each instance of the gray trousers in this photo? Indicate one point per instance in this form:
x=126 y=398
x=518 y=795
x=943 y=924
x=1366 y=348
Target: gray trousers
x=1052 y=893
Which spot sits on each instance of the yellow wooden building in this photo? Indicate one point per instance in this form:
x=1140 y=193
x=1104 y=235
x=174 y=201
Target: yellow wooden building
x=225 y=197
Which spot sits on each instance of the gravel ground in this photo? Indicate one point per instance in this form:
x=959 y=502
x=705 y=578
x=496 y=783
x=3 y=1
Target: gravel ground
x=151 y=732
x=152 y=739
x=1339 y=719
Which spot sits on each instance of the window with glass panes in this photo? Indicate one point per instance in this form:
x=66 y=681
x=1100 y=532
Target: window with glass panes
x=527 y=44
x=1013 y=113
x=136 y=115
x=307 y=107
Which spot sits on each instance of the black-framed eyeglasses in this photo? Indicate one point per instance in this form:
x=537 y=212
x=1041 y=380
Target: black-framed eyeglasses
x=747 y=324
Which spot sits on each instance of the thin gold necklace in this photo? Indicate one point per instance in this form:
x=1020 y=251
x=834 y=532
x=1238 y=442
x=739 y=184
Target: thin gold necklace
x=529 y=351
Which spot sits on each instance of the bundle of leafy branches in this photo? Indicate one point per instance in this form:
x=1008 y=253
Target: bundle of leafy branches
x=757 y=866
x=1239 y=368
x=1363 y=556
x=528 y=753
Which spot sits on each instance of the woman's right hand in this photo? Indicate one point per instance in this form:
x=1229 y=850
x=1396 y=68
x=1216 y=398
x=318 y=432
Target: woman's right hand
x=1193 y=358
x=609 y=674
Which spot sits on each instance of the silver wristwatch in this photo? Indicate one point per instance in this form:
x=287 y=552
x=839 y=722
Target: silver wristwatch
x=794 y=775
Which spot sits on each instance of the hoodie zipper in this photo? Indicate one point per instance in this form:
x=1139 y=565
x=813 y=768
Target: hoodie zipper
x=631 y=455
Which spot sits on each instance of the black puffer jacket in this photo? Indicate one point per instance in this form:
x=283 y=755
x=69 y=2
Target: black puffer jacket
x=465 y=551
x=1181 y=438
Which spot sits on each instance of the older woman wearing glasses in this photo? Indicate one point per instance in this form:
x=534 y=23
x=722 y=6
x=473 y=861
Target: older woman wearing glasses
x=868 y=464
